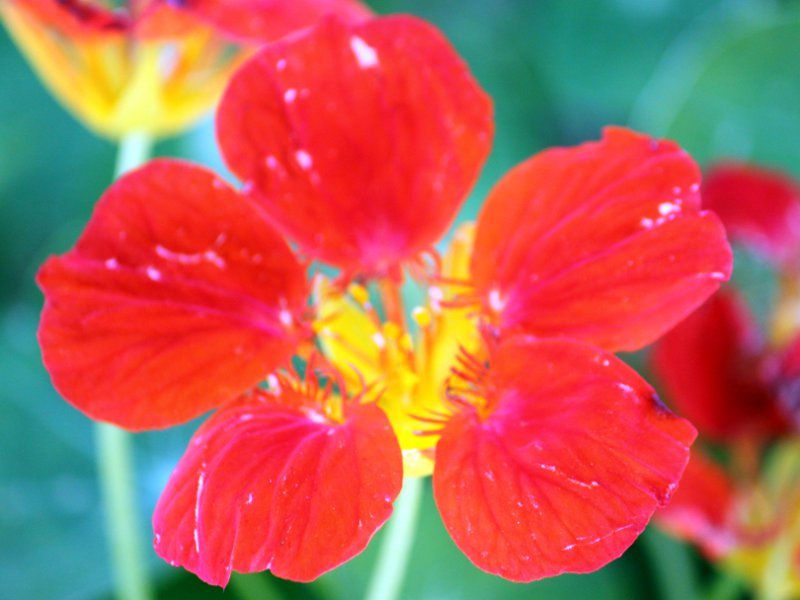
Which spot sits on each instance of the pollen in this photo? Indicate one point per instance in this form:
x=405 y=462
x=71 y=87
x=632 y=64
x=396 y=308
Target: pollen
x=422 y=317
x=392 y=330
x=359 y=293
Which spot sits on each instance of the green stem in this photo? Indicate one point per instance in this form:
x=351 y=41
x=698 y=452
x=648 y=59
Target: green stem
x=134 y=150
x=725 y=587
x=671 y=564
x=115 y=458
x=390 y=568
x=255 y=586
x=115 y=464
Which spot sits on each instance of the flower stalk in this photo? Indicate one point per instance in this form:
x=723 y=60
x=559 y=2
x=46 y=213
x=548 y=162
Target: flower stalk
x=115 y=457
x=395 y=552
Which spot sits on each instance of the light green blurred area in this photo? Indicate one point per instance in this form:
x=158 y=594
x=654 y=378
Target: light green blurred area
x=723 y=78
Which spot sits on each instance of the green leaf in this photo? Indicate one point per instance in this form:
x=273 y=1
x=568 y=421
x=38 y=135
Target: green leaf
x=732 y=92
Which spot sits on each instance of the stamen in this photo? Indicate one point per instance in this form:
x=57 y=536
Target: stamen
x=392 y=330
x=422 y=317
x=467 y=386
x=425 y=267
x=360 y=294
x=463 y=301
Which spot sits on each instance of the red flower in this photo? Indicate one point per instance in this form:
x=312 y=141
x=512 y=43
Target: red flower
x=359 y=143
x=259 y=20
x=718 y=371
x=250 y=20
x=741 y=388
x=759 y=207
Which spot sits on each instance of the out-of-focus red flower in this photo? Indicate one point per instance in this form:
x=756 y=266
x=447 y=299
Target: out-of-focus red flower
x=150 y=66
x=759 y=207
x=741 y=388
x=703 y=507
x=717 y=371
x=359 y=143
x=260 y=20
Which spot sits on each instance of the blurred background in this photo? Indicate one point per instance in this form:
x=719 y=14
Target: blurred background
x=720 y=77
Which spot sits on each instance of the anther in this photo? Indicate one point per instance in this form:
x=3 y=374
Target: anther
x=359 y=293
x=392 y=331
x=422 y=317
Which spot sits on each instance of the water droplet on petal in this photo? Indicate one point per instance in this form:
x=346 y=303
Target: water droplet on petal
x=303 y=159
x=366 y=56
x=153 y=273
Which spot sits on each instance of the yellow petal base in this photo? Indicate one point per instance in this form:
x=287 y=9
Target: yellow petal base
x=116 y=85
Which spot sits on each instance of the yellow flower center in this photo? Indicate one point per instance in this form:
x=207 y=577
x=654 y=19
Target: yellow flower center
x=407 y=375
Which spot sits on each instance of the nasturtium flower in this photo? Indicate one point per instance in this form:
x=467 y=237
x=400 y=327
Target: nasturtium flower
x=720 y=371
x=741 y=387
x=150 y=66
x=760 y=208
x=359 y=142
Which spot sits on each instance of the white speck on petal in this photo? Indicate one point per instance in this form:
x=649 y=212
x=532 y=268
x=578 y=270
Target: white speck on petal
x=365 y=54
x=153 y=273
x=190 y=259
x=200 y=482
x=303 y=159
x=274 y=383
x=496 y=301
x=249 y=498
x=281 y=64
x=271 y=162
x=315 y=416
x=647 y=223
x=666 y=208
x=214 y=258
x=112 y=263
x=290 y=95
x=285 y=317
x=626 y=388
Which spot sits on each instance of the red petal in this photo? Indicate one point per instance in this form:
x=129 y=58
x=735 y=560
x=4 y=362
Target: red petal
x=760 y=208
x=361 y=141
x=162 y=20
x=268 y=20
x=603 y=242
x=177 y=297
x=700 y=510
x=786 y=380
x=268 y=486
x=568 y=467
x=709 y=366
x=76 y=18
